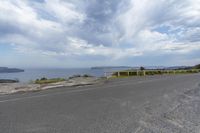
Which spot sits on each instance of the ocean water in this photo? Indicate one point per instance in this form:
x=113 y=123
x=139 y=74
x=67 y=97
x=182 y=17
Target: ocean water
x=33 y=74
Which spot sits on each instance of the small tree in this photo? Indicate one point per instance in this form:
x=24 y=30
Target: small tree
x=142 y=68
x=197 y=66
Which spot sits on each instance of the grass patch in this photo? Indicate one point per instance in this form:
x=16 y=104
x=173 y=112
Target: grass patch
x=48 y=81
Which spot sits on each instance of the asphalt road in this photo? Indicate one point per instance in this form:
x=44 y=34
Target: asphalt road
x=131 y=105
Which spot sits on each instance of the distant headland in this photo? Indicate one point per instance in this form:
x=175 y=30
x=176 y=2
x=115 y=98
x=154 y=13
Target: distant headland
x=10 y=70
x=109 y=67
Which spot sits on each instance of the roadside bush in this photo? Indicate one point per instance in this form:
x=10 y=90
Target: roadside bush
x=74 y=76
x=43 y=78
x=142 y=68
x=123 y=73
x=133 y=73
x=149 y=73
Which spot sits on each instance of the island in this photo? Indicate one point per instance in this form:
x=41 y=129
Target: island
x=9 y=81
x=10 y=70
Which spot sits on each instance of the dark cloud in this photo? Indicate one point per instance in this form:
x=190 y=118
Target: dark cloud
x=6 y=28
x=99 y=25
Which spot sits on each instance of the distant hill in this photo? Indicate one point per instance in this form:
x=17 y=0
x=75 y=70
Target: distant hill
x=149 y=67
x=109 y=67
x=179 y=67
x=10 y=70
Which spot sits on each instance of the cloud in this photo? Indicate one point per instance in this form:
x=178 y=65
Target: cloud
x=179 y=20
x=112 y=30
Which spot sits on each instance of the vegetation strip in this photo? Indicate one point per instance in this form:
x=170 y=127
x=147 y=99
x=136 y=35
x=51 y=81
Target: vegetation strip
x=143 y=72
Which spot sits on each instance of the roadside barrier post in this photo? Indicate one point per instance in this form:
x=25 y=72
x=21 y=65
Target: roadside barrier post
x=105 y=74
x=118 y=74
x=144 y=72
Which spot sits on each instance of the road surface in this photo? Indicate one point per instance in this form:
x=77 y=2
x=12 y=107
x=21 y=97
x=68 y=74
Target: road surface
x=131 y=105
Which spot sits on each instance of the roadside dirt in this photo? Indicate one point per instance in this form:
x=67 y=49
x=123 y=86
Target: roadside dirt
x=8 y=88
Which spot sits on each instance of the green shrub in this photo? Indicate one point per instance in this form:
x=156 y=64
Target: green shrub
x=74 y=76
x=43 y=78
x=154 y=72
x=47 y=81
x=86 y=75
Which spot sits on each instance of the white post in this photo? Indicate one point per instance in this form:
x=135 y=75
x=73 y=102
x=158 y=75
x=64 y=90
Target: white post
x=118 y=74
x=144 y=72
x=105 y=74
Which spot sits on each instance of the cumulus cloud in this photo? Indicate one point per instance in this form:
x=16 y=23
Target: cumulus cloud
x=115 y=30
x=146 y=18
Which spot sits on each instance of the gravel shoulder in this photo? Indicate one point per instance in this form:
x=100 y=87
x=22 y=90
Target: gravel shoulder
x=9 y=88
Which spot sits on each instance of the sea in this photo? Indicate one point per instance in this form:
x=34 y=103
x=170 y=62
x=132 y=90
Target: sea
x=32 y=74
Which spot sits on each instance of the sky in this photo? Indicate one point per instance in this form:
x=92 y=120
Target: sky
x=85 y=33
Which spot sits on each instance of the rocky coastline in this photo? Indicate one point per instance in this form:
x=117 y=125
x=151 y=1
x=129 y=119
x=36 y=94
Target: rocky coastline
x=14 y=87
